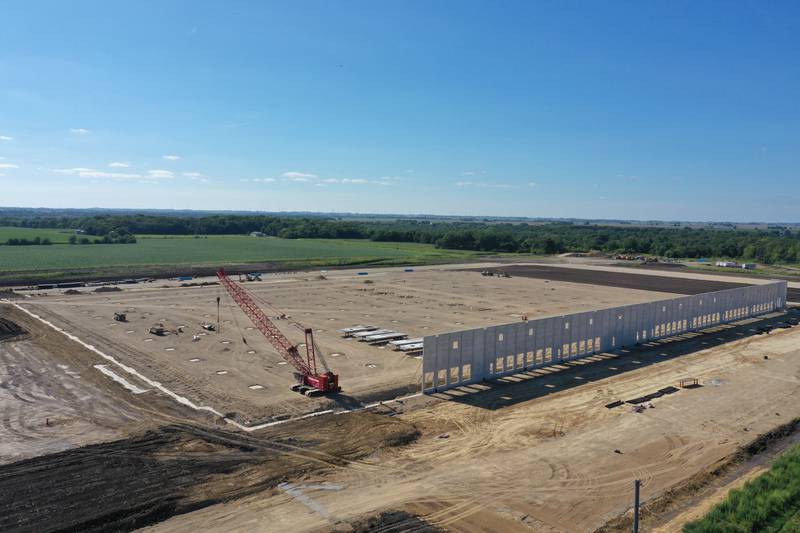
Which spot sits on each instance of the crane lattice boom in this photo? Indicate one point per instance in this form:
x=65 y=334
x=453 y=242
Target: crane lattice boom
x=327 y=382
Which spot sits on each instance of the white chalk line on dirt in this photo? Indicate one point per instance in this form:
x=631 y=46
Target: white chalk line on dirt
x=119 y=379
x=185 y=401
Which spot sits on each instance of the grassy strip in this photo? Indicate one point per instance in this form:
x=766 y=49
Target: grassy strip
x=768 y=503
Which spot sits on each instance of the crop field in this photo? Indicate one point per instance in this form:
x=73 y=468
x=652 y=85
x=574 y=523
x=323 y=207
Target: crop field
x=214 y=250
x=56 y=236
x=770 y=502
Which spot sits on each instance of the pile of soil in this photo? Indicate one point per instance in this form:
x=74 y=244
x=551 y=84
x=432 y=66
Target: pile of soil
x=9 y=329
x=9 y=294
x=138 y=481
x=108 y=289
x=71 y=292
x=394 y=522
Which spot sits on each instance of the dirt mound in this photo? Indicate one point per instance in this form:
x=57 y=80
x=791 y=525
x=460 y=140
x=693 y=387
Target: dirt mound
x=9 y=294
x=71 y=292
x=108 y=289
x=394 y=522
x=9 y=329
x=131 y=483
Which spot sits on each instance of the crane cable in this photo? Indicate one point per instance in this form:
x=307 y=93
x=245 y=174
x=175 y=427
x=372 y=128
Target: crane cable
x=235 y=321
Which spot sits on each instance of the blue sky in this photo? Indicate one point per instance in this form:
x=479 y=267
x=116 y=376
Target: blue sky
x=642 y=110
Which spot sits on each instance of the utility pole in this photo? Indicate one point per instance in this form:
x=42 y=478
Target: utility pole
x=636 y=485
x=217 y=314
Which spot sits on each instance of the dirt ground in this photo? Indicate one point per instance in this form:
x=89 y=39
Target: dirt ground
x=81 y=449
x=613 y=277
x=544 y=454
x=52 y=399
x=237 y=372
x=125 y=484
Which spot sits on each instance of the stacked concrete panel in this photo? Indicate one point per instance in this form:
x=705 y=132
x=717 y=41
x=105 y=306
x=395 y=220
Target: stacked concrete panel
x=474 y=355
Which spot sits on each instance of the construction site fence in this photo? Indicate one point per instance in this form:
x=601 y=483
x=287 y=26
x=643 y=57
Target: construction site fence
x=474 y=355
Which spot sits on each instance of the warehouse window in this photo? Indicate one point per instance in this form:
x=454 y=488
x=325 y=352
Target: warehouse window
x=454 y=374
x=499 y=337
x=466 y=372
x=455 y=345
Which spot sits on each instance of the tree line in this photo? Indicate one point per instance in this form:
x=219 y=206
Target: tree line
x=771 y=245
x=36 y=241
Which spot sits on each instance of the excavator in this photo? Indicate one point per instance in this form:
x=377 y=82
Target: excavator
x=309 y=381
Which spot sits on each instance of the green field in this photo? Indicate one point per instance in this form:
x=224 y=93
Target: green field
x=769 y=503
x=55 y=235
x=159 y=251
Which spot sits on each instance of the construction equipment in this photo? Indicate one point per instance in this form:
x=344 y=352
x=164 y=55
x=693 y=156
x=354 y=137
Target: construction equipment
x=120 y=317
x=158 y=329
x=208 y=327
x=310 y=382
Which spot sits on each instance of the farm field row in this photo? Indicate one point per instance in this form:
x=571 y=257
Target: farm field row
x=56 y=236
x=217 y=250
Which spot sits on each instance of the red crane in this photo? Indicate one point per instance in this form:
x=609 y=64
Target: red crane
x=310 y=383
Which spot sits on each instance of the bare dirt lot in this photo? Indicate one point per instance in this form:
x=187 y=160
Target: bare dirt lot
x=130 y=483
x=666 y=281
x=53 y=399
x=541 y=455
x=97 y=448
x=237 y=372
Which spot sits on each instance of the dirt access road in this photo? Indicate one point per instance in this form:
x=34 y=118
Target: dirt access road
x=544 y=454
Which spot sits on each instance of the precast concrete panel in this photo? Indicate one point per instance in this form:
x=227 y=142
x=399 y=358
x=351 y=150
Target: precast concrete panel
x=469 y=356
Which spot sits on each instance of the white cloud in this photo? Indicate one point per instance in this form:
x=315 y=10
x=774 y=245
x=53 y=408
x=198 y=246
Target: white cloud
x=2 y=175
x=100 y=174
x=171 y=157
x=298 y=176
x=118 y=164
x=6 y=138
x=90 y=173
x=196 y=176
x=8 y=165
x=468 y=173
x=263 y=180
x=79 y=131
x=160 y=174
x=71 y=170
x=490 y=185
